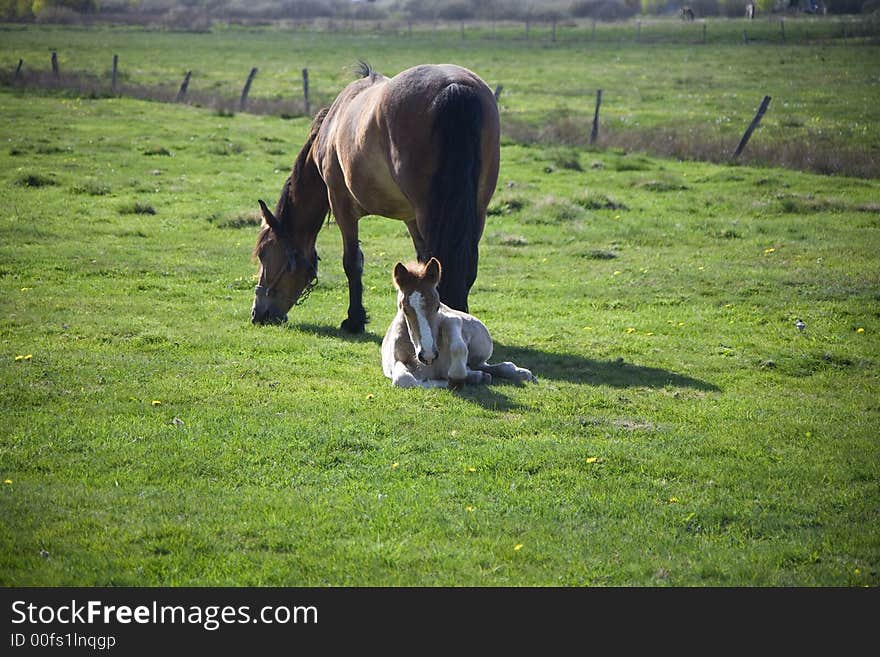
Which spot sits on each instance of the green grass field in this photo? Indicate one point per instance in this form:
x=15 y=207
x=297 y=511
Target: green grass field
x=683 y=431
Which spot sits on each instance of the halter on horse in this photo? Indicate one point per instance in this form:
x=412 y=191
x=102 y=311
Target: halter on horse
x=422 y=147
x=429 y=344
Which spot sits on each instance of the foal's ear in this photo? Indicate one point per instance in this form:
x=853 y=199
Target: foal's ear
x=268 y=217
x=400 y=274
x=432 y=271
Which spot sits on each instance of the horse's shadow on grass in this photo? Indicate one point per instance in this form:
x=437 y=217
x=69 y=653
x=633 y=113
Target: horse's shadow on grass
x=546 y=366
x=324 y=331
x=578 y=369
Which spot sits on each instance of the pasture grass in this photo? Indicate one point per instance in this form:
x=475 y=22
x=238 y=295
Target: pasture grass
x=667 y=93
x=683 y=431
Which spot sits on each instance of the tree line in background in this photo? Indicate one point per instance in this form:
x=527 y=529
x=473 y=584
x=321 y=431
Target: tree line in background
x=420 y=10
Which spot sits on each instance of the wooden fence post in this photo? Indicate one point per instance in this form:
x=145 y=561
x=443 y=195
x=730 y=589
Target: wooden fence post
x=115 y=67
x=181 y=94
x=751 y=128
x=55 y=64
x=307 y=105
x=594 y=133
x=18 y=69
x=247 y=87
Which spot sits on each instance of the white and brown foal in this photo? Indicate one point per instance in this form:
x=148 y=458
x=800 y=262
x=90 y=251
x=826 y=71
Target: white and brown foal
x=432 y=345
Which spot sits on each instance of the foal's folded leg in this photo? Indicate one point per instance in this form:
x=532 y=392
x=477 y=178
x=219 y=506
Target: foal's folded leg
x=402 y=377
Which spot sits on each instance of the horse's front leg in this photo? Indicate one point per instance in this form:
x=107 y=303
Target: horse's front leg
x=458 y=352
x=353 y=264
x=402 y=377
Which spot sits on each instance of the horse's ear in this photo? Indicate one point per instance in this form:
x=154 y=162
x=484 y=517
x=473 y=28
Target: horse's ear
x=268 y=217
x=433 y=271
x=400 y=274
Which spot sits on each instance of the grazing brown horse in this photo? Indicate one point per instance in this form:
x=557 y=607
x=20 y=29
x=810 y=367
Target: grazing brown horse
x=422 y=147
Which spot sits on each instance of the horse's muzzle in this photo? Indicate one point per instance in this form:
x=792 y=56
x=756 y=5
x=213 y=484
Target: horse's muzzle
x=267 y=317
x=427 y=359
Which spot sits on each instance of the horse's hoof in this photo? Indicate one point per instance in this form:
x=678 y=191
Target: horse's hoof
x=457 y=384
x=350 y=326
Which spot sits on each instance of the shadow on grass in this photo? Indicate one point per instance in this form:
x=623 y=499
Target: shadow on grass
x=577 y=369
x=336 y=332
x=545 y=365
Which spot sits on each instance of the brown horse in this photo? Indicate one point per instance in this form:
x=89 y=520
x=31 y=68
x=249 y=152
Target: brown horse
x=422 y=147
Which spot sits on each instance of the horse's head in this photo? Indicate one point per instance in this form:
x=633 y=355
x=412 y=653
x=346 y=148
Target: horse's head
x=287 y=273
x=419 y=301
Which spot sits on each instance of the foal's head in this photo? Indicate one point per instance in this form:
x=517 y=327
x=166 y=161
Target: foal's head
x=419 y=301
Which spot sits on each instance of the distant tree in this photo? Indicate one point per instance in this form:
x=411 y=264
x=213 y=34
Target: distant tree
x=457 y=10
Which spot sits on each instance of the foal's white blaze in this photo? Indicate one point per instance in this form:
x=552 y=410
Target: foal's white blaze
x=424 y=337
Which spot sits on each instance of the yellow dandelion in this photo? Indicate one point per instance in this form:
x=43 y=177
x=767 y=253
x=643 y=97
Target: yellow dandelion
x=649 y=333
x=26 y=289
x=370 y=396
x=469 y=509
x=7 y=481
x=728 y=305
x=394 y=465
x=616 y=272
x=517 y=547
x=768 y=251
x=858 y=330
x=592 y=459
x=156 y=402
x=24 y=357
x=630 y=330
x=701 y=268
x=681 y=323
x=472 y=469
x=673 y=500
x=857 y=572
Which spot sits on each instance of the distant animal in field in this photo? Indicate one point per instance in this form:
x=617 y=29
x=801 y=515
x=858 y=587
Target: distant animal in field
x=687 y=14
x=750 y=10
x=422 y=147
x=429 y=344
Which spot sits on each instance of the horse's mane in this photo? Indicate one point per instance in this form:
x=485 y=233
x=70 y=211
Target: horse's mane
x=282 y=210
x=364 y=70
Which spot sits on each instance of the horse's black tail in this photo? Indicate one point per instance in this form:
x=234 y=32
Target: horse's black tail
x=454 y=226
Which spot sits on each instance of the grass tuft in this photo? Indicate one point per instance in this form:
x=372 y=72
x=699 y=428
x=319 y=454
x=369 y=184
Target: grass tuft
x=589 y=200
x=554 y=210
x=158 y=150
x=35 y=180
x=136 y=207
x=92 y=188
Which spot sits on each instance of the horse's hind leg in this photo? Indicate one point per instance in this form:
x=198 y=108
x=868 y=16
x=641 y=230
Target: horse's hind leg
x=508 y=370
x=423 y=254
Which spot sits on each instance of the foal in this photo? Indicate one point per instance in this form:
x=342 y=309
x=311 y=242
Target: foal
x=432 y=345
